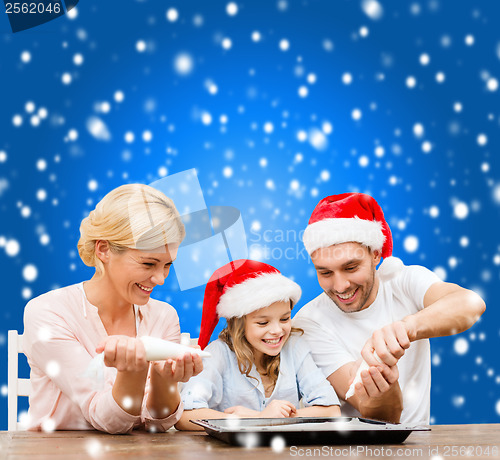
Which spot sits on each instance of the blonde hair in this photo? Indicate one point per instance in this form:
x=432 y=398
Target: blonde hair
x=132 y=216
x=234 y=336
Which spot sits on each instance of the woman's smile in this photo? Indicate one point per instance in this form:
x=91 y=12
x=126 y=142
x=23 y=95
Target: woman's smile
x=144 y=288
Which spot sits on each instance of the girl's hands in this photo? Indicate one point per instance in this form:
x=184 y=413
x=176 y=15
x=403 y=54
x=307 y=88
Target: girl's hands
x=180 y=369
x=243 y=412
x=279 y=409
x=126 y=354
x=275 y=409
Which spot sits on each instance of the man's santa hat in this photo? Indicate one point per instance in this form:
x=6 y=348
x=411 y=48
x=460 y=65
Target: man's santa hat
x=241 y=287
x=352 y=217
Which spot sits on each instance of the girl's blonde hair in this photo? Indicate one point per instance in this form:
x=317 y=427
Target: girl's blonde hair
x=234 y=336
x=132 y=216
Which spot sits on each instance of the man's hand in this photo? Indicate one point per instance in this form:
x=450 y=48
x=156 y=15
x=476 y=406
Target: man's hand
x=389 y=343
x=379 y=395
x=372 y=397
x=375 y=382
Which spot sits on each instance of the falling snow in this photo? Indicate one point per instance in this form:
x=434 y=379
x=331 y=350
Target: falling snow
x=411 y=243
x=284 y=44
x=460 y=210
x=461 y=346
x=183 y=64
x=172 y=14
x=372 y=8
x=98 y=129
x=30 y=273
x=274 y=117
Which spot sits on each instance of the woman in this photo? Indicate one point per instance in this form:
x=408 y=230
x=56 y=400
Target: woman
x=131 y=238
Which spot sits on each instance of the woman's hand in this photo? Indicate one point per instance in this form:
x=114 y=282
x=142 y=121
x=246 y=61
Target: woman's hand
x=180 y=369
x=126 y=354
x=164 y=396
x=241 y=411
x=279 y=409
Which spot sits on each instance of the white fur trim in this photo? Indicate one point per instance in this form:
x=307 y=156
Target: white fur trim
x=390 y=268
x=256 y=293
x=328 y=232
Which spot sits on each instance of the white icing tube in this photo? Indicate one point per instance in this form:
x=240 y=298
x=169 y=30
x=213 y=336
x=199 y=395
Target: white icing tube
x=159 y=349
x=357 y=379
x=156 y=350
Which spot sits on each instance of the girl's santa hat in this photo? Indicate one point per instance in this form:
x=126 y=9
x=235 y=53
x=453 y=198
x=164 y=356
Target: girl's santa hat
x=352 y=217
x=241 y=287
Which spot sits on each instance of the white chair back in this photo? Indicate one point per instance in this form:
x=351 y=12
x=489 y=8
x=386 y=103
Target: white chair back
x=15 y=386
x=187 y=340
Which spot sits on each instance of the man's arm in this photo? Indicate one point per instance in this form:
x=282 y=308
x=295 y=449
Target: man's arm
x=378 y=396
x=448 y=309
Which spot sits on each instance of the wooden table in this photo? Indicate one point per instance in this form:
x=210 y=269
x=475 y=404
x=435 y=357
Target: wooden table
x=444 y=441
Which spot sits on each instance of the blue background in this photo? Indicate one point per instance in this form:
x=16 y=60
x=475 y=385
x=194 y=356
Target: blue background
x=273 y=154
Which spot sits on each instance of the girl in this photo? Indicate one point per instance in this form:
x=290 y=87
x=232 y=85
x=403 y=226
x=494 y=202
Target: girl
x=131 y=238
x=259 y=366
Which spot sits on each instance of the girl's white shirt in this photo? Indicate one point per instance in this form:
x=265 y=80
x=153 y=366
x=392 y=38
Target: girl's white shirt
x=221 y=384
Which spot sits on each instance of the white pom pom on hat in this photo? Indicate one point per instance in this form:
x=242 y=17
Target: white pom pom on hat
x=390 y=268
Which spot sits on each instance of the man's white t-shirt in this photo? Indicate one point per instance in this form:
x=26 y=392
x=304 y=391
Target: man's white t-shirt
x=336 y=338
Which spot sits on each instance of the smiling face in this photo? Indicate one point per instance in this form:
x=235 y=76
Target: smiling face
x=268 y=328
x=347 y=274
x=131 y=275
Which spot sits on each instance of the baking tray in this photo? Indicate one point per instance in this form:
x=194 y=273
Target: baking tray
x=255 y=432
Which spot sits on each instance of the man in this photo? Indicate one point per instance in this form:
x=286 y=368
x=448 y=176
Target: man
x=389 y=313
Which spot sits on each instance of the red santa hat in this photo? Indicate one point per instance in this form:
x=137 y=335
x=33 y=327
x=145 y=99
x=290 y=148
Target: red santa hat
x=352 y=217
x=241 y=287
